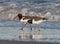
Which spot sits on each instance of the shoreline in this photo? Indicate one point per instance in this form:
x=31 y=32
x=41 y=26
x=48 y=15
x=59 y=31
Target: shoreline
x=25 y=42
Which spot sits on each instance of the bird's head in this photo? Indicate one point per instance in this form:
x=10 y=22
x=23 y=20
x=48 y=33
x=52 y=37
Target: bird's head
x=19 y=16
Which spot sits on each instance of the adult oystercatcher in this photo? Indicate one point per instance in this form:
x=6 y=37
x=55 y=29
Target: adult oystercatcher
x=30 y=19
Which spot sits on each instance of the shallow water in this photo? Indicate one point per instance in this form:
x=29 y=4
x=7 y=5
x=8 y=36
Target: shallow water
x=10 y=30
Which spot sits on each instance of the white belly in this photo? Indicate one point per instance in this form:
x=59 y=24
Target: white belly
x=37 y=22
x=24 y=20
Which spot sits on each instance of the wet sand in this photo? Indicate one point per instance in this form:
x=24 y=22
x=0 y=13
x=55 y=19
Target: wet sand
x=24 y=42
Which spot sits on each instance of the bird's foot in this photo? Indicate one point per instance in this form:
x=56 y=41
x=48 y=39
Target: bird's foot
x=38 y=30
x=31 y=29
x=21 y=29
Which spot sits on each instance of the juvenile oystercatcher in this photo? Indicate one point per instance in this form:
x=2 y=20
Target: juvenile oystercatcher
x=29 y=20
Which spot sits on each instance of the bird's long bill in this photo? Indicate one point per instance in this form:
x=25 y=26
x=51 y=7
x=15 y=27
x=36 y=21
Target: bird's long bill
x=15 y=17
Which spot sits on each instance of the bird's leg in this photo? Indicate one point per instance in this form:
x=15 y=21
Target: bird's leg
x=30 y=26
x=23 y=26
x=38 y=27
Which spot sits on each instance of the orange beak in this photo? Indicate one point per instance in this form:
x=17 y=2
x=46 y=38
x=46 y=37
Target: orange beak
x=16 y=17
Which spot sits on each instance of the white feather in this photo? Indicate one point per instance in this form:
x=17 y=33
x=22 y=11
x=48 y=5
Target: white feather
x=24 y=20
x=37 y=22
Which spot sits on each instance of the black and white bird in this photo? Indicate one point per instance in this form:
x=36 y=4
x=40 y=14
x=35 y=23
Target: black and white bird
x=30 y=20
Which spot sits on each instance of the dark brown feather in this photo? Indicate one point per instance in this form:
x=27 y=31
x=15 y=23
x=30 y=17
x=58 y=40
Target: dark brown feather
x=35 y=18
